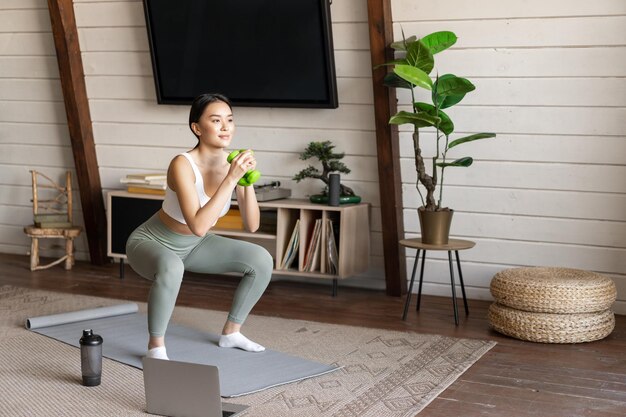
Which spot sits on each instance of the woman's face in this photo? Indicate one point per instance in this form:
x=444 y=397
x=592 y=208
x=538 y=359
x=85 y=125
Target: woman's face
x=216 y=126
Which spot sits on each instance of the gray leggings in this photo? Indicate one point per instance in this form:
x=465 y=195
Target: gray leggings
x=157 y=253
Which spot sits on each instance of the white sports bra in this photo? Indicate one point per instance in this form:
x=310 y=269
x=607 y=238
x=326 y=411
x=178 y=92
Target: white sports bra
x=171 y=206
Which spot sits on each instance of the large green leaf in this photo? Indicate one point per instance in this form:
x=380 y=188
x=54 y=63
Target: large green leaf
x=450 y=84
x=419 y=56
x=401 y=45
x=449 y=101
x=439 y=41
x=446 y=125
x=449 y=89
x=416 y=119
x=393 y=80
x=461 y=162
x=414 y=75
x=470 y=138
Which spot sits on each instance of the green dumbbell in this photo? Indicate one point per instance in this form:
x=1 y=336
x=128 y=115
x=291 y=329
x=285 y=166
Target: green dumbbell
x=249 y=177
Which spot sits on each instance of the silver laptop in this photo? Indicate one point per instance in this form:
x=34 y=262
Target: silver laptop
x=182 y=389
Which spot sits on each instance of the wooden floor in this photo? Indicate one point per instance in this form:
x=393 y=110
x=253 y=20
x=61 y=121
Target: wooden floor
x=514 y=379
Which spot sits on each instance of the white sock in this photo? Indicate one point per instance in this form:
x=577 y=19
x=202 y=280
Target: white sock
x=237 y=340
x=157 y=353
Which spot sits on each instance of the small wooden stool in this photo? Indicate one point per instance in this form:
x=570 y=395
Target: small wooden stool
x=36 y=233
x=453 y=245
x=52 y=219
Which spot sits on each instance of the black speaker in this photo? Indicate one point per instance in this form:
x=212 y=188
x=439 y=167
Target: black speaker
x=334 y=189
x=127 y=213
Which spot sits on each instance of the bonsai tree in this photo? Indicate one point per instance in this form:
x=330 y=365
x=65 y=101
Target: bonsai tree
x=323 y=151
x=412 y=71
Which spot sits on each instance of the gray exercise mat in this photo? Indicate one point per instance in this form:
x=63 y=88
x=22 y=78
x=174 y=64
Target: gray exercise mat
x=125 y=337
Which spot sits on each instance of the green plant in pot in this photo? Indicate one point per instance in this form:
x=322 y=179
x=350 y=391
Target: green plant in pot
x=410 y=71
x=330 y=161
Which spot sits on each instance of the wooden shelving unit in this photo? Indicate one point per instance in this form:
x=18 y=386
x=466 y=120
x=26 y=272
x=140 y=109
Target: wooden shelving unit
x=125 y=211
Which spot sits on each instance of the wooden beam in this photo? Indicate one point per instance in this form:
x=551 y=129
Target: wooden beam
x=79 y=124
x=381 y=35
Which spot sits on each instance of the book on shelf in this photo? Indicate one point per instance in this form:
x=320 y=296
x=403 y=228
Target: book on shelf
x=150 y=176
x=293 y=246
x=157 y=181
x=315 y=264
x=148 y=186
x=145 y=190
x=127 y=180
x=332 y=254
x=306 y=242
x=229 y=224
x=322 y=249
x=311 y=262
x=231 y=220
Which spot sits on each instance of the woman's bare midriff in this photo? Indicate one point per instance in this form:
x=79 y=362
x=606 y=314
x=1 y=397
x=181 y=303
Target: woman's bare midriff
x=174 y=225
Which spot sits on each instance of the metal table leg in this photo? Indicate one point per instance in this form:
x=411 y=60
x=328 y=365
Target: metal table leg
x=408 y=294
x=121 y=268
x=419 y=291
x=456 y=311
x=458 y=264
x=335 y=282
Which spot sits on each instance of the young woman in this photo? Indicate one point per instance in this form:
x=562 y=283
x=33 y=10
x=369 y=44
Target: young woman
x=178 y=238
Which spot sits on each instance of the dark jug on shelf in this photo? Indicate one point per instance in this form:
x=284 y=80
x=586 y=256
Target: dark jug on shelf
x=91 y=358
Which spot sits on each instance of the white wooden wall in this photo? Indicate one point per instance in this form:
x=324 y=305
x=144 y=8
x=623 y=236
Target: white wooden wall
x=551 y=188
x=33 y=126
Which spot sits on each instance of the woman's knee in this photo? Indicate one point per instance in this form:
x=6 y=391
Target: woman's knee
x=169 y=272
x=264 y=264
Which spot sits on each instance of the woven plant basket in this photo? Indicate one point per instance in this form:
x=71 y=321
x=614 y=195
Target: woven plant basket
x=551 y=327
x=553 y=290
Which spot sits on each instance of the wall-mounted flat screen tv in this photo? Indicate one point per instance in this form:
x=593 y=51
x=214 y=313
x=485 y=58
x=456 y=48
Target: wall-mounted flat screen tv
x=270 y=53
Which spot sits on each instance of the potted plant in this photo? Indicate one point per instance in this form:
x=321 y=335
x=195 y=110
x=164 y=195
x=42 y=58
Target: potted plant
x=323 y=151
x=412 y=71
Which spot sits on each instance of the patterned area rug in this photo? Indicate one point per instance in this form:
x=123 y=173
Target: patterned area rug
x=385 y=373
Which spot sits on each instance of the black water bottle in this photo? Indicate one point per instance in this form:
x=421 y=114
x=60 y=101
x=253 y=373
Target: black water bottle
x=334 y=189
x=91 y=358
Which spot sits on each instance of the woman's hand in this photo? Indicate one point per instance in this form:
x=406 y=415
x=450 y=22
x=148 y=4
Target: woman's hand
x=241 y=164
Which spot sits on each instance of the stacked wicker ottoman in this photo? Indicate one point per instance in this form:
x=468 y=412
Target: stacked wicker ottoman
x=552 y=305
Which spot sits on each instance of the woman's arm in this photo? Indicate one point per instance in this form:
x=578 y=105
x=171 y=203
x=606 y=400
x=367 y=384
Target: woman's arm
x=181 y=179
x=249 y=208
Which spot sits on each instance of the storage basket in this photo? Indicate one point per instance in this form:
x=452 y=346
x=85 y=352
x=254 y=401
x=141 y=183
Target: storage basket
x=553 y=290
x=551 y=327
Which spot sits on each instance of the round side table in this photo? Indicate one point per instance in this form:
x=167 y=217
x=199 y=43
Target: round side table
x=453 y=245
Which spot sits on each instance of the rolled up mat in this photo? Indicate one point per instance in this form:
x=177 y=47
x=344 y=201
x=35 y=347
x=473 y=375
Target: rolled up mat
x=81 y=315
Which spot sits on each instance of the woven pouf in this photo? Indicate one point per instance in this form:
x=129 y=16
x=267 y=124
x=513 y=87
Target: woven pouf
x=552 y=305
x=551 y=327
